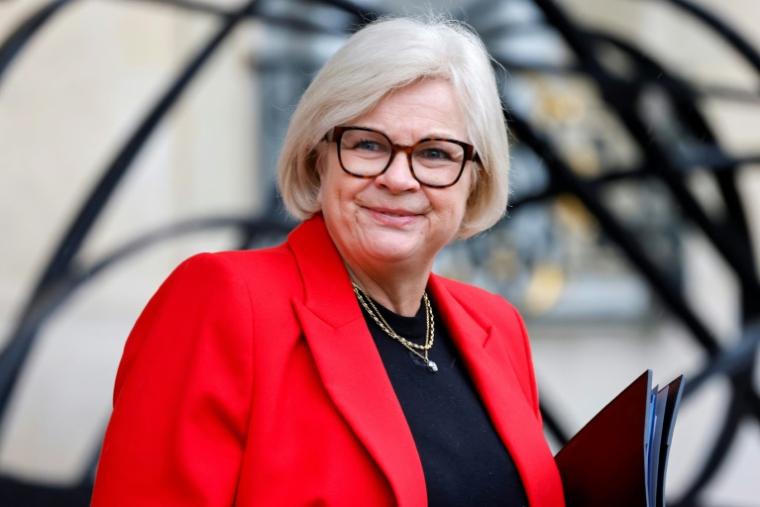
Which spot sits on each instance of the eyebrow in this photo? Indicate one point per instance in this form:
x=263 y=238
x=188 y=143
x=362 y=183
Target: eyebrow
x=430 y=135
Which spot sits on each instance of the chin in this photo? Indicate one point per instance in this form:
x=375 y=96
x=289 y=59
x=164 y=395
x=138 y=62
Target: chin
x=391 y=249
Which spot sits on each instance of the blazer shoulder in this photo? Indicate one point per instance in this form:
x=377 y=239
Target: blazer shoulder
x=262 y=270
x=252 y=261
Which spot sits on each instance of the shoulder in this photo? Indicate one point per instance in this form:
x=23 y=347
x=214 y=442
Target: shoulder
x=244 y=263
x=266 y=268
x=213 y=295
x=261 y=284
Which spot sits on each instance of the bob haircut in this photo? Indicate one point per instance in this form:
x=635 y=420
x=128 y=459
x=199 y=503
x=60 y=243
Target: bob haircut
x=384 y=56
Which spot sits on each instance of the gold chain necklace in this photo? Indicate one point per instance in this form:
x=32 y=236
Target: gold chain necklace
x=373 y=312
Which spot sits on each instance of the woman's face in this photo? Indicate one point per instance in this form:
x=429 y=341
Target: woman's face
x=392 y=218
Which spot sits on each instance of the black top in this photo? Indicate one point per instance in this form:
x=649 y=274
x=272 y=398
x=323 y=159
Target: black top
x=464 y=461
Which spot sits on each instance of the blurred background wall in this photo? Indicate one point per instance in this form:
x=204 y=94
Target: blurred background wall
x=87 y=79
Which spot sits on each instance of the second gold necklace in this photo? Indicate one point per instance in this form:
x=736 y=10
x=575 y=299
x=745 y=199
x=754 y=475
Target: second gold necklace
x=414 y=348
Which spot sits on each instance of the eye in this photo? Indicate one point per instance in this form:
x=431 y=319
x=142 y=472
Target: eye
x=366 y=145
x=435 y=154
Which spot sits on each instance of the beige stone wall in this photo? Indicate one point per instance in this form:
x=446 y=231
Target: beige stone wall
x=66 y=106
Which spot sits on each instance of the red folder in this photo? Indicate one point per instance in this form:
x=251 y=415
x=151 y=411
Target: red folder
x=620 y=457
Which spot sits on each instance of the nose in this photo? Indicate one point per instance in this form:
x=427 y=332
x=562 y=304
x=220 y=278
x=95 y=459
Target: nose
x=398 y=177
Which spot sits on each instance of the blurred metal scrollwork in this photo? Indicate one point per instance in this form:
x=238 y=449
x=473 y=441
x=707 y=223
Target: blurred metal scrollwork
x=647 y=137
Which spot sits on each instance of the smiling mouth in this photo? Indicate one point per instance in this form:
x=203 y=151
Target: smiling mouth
x=394 y=212
x=393 y=216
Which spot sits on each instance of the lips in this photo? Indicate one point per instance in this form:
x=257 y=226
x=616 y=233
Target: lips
x=394 y=212
x=393 y=216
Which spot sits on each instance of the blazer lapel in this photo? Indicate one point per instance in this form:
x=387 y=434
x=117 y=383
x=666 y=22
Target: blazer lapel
x=492 y=372
x=350 y=366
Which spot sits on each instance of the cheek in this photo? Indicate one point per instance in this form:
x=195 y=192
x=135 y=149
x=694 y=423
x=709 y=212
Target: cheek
x=321 y=165
x=449 y=211
x=467 y=190
x=453 y=208
x=326 y=183
x=336 y=194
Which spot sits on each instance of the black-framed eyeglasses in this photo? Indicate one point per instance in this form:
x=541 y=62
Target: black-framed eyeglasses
x=367 y=153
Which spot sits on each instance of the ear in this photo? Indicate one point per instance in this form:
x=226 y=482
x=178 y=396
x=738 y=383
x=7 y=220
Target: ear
x=319 y=198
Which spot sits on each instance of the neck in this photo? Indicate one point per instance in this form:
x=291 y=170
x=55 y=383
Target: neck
x=397 y=290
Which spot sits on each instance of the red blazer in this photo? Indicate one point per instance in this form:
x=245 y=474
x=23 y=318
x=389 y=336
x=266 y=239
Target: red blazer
x=251 y=379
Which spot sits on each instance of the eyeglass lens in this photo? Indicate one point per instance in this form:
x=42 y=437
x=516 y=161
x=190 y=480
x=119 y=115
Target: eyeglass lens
x=434 y=162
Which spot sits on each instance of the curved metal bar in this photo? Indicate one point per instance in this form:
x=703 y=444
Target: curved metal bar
x=585 y=192
x=729 y=362
x=303 y=26
x=718 y=163
x=95 y=203
x=554 y=188
x=34 y=494
x=738 y=365
x=300 y=25
x=57 y=293
x=738 y=42
x=21 y=36
x=684 y=96
x=619 y=95
x=250 y=226
x=728 y=93
x=145 y=240
x=366 y=16
x=548 y=193
x=20 y=342
x=742 y=262
x=713 y=156
x=726 y=437
x=192 y=5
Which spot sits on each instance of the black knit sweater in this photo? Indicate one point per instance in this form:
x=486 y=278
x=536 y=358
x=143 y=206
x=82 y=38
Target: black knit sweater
x=464 y=461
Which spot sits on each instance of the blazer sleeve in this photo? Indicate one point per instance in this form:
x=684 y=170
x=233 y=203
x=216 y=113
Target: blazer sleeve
x=182 y=396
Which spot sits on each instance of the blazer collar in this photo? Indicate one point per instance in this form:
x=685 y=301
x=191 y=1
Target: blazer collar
x=491 y=367
x=354 y=375
x=349 y=364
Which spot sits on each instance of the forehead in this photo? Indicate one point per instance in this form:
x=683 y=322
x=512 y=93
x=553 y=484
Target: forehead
x=428 y=108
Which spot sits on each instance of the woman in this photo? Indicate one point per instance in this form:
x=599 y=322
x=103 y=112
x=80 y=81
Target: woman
x=336 y=369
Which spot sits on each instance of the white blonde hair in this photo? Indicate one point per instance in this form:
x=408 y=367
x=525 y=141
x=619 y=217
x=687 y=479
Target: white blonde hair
x=386 y=55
